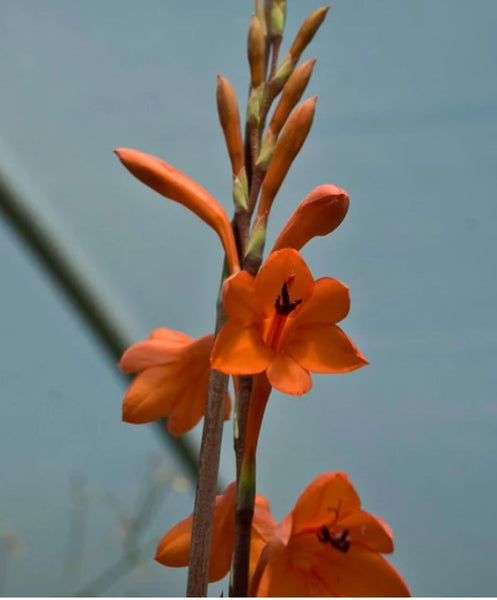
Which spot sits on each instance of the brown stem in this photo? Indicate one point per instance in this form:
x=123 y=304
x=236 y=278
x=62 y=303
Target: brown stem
x=243 y=411
x=203 y=513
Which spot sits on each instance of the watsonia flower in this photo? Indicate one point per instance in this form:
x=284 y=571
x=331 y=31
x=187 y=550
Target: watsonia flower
x=284 y=322
x=172 y=380
x=328 y=546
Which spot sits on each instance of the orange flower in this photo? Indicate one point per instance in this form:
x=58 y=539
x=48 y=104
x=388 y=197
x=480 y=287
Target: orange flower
x=283 y=322
x=174 y=548
x=328 y=546
x=173 y=377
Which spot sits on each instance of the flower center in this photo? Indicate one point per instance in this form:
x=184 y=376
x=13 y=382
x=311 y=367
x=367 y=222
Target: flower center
x=284 y=306
x=340 y=541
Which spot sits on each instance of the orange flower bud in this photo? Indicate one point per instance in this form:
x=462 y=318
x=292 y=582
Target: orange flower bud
x=319 y=213
x=292 y=92
x=307 y=31
x=256 y=48
x=287 y=148
x=229 y=117
x=175 y=185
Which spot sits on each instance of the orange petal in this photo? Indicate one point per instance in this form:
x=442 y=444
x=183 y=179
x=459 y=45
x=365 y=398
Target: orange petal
x=321 y=211
x=283 y=266
x=287 y=376
x=329 y=303
x=280 y=577
x=358 y=572
x=239 y=350
x=191 y=396
x=326 y=498
x=324 y=349
x=170 y=335
x=151 y=395
x=263 y=527
x=239 y=299
x=369 y=530
x=174 y=548
x=149 y=353
x=175 y=185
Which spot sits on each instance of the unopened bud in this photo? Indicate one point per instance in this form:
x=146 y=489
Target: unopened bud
x=319 y=213
x=287 y=147
x=292 y=92
x=229 y=117
x=256 y=47
x=307 y=31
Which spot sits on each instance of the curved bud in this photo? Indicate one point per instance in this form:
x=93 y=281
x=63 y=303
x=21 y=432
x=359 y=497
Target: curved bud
x=287 y=147
x=319 y=213
x=175 y=185
x=292 y=92
x=256 y=49
x=307 y=31
x=229 y=117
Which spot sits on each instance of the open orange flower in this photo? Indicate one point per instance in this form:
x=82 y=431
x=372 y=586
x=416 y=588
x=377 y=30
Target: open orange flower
x=173 y=377
x=328 y=546
x=174 y=548
x=283 y=322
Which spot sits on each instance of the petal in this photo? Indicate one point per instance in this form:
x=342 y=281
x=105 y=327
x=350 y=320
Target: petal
x=263 y=527
x=327 y=498
x=149 y=353
x=239 y=350
x=190 y=402
x=281 y=577
x=287 y=376
x=329 y=304
x=283 y=266
x=321 y=211
x=174 y=548
x=152 y=394
x=369 y=530
x=191 y=397
x=162 y=346
x=170 y=335
x=324 y=349
x=240 y=302
x=358 y=572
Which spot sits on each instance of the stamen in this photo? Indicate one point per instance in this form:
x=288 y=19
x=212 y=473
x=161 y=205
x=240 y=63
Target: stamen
x=340 y=541
x=283 y=304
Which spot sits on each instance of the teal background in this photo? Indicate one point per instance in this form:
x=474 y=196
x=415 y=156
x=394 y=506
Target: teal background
x=406 y=122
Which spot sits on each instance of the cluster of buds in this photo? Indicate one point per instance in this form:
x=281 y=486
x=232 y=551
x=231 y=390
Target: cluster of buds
x=275 y=325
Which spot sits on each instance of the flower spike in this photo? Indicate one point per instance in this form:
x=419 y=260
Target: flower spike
x=319 y=213
x=175 y=185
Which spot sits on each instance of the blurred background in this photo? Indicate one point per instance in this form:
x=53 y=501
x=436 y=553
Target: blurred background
x=406 y=122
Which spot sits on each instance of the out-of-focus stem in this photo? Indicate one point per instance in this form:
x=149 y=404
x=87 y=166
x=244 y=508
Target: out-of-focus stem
x=81 y=293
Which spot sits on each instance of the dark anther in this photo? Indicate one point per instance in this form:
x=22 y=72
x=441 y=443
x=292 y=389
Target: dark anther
x=283 y=304
x=340 y=541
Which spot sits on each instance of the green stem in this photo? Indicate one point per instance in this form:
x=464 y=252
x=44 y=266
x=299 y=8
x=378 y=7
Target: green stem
x=245 y=502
